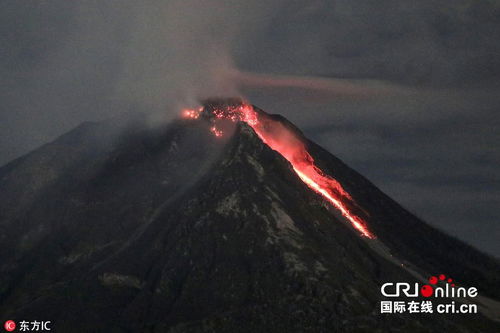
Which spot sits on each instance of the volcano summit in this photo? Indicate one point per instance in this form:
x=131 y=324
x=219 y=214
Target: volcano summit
x=226 y=220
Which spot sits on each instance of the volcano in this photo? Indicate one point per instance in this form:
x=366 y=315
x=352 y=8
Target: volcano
x=228 y=219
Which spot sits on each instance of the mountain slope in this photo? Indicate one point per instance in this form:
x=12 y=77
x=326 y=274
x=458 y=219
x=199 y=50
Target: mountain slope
x=175 y=229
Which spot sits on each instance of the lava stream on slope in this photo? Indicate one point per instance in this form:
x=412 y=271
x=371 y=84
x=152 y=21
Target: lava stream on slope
x=284 y=141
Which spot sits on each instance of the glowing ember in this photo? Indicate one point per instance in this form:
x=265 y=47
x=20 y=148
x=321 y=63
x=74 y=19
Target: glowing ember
x=216 y=131
x=283 y=140
x=191 y=113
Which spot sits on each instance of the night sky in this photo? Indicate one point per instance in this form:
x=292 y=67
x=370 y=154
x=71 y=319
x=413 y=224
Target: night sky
x=436 y=150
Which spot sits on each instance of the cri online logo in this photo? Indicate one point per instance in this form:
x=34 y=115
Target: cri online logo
x=391 y=289
x=9 y=325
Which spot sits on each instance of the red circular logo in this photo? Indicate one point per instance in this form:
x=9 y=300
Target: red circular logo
x=9 y=325
x=426 y=290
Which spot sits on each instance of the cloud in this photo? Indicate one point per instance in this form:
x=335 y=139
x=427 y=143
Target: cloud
x=66 y=62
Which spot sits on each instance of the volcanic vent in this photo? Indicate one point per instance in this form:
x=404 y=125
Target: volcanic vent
x=221 y=221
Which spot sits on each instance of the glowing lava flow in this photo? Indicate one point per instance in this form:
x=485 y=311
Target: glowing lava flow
x=283 y=140
x=356 y=221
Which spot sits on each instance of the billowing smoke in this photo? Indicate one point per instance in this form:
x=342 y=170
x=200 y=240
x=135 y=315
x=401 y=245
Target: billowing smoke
x=67 y=62
x=179 y=52
x=322 y=87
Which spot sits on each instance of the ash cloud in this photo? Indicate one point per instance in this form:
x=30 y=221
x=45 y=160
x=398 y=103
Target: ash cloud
x=65 y=62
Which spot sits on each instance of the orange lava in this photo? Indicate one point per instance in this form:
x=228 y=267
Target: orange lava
x=217 y=132
x=287 y=143
x=356 y=221
x=191 y=113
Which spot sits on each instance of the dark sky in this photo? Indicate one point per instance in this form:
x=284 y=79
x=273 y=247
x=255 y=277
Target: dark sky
x=436 y=151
